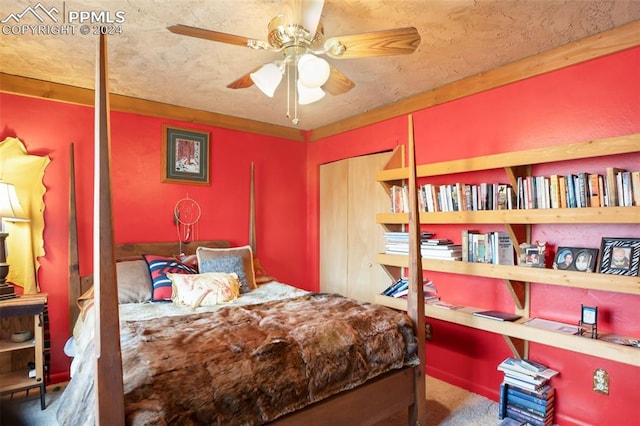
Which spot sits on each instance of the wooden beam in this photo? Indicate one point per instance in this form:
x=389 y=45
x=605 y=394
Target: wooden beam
x=80 y=96
x=109 y=386
x=595 y=46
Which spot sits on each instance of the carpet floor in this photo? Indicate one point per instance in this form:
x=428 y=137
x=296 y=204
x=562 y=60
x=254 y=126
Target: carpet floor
x=446 y=405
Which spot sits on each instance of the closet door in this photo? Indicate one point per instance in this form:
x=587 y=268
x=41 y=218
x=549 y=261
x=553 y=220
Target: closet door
x=350 y=197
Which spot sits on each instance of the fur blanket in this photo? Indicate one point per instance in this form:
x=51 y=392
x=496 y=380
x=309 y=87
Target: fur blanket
x=248 y=365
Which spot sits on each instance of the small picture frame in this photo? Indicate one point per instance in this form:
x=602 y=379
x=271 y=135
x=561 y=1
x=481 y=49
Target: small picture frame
x=185 y=156
x=532 y=255
x=620 y=256
x=576 y=259
x=589 y=321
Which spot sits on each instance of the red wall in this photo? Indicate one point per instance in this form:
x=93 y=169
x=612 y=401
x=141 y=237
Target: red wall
x=594 y=100
x=597 y=99
x=143 y=205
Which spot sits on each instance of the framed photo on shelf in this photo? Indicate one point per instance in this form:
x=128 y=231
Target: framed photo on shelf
x=576 y=259
x=185 y=156
x=532 y=255
x=620 y=256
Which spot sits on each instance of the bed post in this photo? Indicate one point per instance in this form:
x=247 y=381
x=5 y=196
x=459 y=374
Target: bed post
x=73 y=277
x=417 y=411
x=252 y=214
x=109 y=388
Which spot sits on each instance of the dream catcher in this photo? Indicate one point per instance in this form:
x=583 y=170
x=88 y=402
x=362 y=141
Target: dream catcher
x=186 y=215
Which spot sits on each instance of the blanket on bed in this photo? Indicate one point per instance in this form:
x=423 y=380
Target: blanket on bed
x=248 y=365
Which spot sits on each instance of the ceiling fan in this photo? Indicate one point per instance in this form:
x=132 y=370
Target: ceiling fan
x=298 y=35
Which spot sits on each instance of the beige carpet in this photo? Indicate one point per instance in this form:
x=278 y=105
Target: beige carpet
x=446 y=405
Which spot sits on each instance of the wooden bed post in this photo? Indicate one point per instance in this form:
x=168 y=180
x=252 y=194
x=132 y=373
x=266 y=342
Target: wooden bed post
x=74 y=266
x=109 y=388
x=252 y=214
x=417 y=411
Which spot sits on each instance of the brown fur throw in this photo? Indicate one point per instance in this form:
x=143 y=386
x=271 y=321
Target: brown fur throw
x=248 y=365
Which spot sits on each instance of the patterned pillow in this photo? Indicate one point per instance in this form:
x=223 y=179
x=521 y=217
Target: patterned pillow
x=159 y=267
x=212 y=288
x=236 y=259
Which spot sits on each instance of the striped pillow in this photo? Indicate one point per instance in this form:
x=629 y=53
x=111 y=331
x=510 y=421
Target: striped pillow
x=159 y=266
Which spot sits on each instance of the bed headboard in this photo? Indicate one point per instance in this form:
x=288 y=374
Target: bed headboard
x=165 y=249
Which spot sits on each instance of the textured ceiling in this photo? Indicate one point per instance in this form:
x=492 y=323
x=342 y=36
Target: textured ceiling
x=460 y=38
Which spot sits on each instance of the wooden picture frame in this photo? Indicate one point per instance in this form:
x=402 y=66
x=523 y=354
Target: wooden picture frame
x=620 y=256
x=185 y=156
x=576 y=259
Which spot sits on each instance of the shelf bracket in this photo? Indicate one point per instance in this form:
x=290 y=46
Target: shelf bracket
x=519 y=292
x=519 y=348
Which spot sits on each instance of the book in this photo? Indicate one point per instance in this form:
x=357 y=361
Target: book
x=518 y=414
x=446 y=305
x=545 y=394
x=524 y=384
x=497 y=315
x=552 y=325
x=503 y=250
x=525 y=369
x=538 y=406
x=612 y=185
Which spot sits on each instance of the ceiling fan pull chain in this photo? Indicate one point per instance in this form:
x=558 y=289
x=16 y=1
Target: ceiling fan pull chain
x=295 y=91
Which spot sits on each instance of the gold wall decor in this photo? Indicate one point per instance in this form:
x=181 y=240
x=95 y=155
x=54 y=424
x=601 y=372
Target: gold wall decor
x=25 y=241
x=601 y=381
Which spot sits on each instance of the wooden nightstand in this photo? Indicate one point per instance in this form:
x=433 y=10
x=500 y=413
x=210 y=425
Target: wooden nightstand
x=22 y=313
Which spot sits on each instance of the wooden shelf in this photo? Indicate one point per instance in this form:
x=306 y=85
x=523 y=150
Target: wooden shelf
x=590 y=281
x=463 y=316
x=589 y=149
x=17 y=380
x=518 y=225
x=587 y=215
x=8 y=345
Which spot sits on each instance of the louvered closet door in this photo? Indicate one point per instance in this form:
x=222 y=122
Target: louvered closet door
x=350 y=197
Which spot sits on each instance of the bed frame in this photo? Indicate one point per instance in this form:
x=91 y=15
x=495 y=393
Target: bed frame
x=371 y=402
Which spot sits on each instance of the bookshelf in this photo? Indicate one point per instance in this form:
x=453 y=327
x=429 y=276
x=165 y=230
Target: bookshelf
x=518 y=223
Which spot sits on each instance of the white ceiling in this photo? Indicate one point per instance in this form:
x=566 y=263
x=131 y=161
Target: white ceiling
x=460 y=38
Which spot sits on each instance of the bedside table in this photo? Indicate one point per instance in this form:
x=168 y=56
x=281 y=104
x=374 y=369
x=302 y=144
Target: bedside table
x=19 y=314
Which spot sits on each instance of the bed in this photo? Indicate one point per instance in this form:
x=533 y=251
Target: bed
x=252 y=354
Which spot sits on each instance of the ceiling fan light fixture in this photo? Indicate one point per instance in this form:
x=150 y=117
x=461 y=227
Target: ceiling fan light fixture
x=267 y=78
x=308 y=95
x=313 y=71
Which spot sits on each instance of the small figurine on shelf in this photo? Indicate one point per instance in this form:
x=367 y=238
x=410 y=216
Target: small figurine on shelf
x=589 y=321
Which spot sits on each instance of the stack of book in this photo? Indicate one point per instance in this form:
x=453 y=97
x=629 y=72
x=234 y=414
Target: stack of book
x=398 y=242
x=525 y=394
x=400 y=289
x=441 y=249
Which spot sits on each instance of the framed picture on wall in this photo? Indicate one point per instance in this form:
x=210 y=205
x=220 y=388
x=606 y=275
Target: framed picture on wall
x=620 y=256
x=185 y=156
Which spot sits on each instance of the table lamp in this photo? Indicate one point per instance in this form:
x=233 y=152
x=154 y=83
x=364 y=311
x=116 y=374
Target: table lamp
x=11 y=211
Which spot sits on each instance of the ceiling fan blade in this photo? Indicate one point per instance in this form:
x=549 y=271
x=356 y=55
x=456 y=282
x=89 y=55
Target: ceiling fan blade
x=218 y=36
x=303 y=12
x=337 y=83
x=398 y=41
x=244 y=81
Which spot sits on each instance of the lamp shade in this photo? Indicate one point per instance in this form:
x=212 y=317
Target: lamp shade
x=267 y=79
x=313 y=71
x=308 y=95
x=10 y=208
